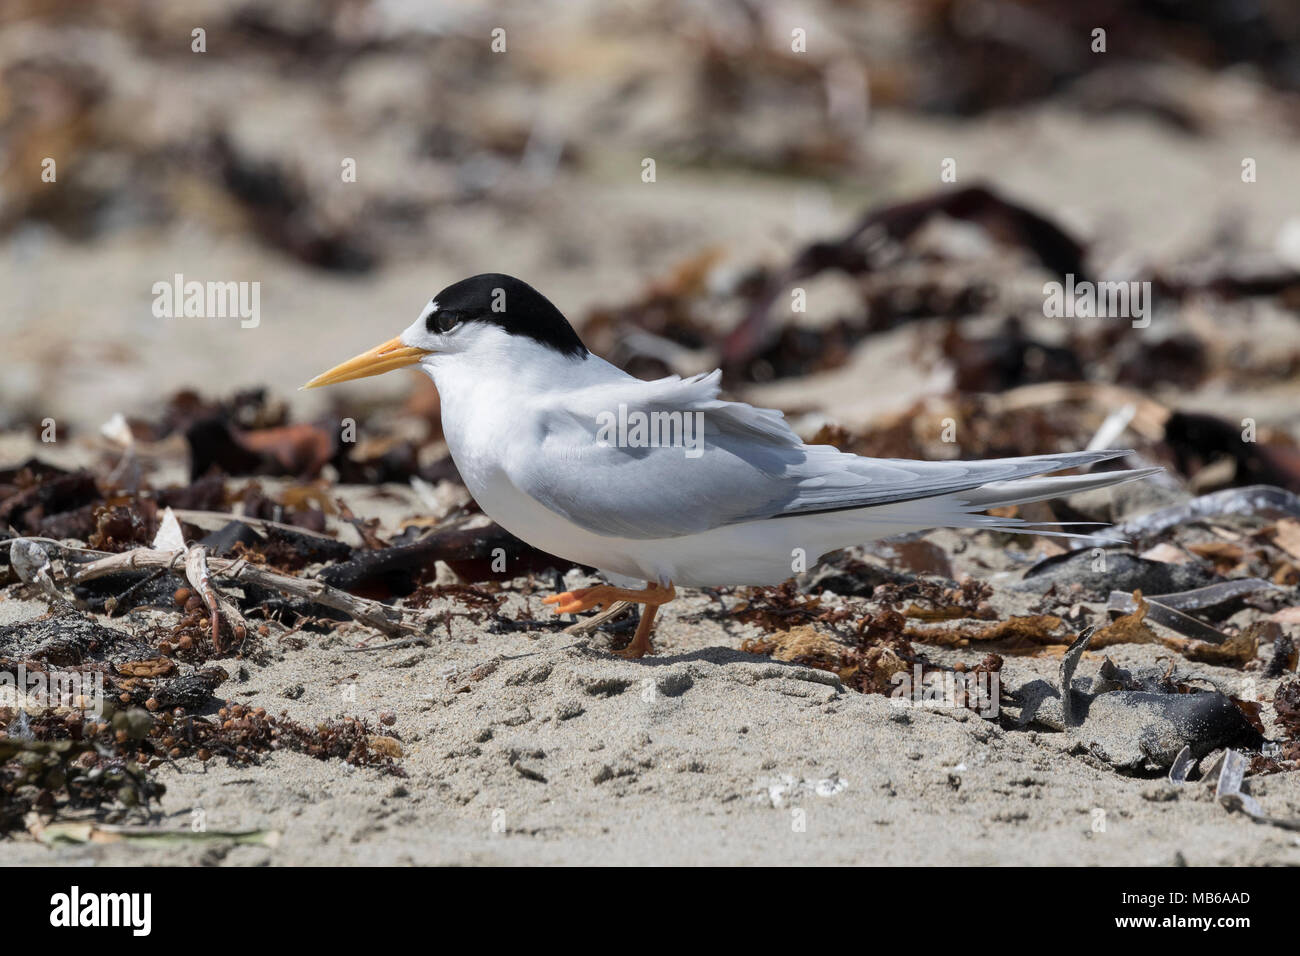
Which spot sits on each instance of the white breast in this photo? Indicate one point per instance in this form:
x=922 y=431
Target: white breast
x=480 y=421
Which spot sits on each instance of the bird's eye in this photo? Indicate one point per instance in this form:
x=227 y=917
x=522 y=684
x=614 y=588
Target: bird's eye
x=443 y=322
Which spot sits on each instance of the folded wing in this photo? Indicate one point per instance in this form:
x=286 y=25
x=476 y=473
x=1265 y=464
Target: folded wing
x=572 y=457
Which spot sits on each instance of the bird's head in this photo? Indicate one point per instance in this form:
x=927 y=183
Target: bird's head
x=475 y=316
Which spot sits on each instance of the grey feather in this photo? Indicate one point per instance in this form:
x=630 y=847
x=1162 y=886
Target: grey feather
x=753 y=467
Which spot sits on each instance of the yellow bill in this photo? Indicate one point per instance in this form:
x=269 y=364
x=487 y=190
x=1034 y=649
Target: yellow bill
x=382 y=358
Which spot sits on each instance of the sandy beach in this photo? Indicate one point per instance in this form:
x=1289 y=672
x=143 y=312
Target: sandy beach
x=518 y=743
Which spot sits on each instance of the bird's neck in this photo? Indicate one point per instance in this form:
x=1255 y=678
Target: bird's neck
x=505 y=375
x=485 y=401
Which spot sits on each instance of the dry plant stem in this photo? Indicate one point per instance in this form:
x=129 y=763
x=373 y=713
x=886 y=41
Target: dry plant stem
x=371 y=613
x=196 y=570
x=588 y=624
x=220 y=518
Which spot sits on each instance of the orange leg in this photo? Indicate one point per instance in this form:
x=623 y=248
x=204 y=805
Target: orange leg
x=585 y=599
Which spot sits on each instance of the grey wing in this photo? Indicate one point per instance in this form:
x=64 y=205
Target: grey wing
x=566 y=457
x=749 y=464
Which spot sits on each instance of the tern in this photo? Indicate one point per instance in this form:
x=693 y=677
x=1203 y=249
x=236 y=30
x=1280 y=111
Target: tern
x=662 y=481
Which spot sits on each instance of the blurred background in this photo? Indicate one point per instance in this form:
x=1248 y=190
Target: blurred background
x=796 y=146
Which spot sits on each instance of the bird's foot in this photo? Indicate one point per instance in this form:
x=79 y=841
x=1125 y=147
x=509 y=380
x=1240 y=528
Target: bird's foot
x=640 y=645
x=584 y=599
x=635 y=651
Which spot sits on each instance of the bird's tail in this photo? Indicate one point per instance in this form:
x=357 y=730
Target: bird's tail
x=961 y=508
x=1021 y=491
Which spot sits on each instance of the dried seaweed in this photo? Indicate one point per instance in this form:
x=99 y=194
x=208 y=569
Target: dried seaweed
x=242 y=734
x=783 y=607
x=1286 y=704
x=52 y=769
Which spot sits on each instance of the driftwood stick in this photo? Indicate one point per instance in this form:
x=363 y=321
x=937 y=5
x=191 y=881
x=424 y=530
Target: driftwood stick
x=218 y=605
x=196 y=570
x=218 y=519
x=371 y=613
x=588 y=624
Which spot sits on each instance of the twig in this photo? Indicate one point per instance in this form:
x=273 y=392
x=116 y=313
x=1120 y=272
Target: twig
x=67 y=548
x=588 y=624
x=371 y=613
x=217 y=519
x=196 y=570
x=112 y=604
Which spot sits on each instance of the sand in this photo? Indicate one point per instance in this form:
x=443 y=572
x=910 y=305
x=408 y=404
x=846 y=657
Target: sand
x=543 y=748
